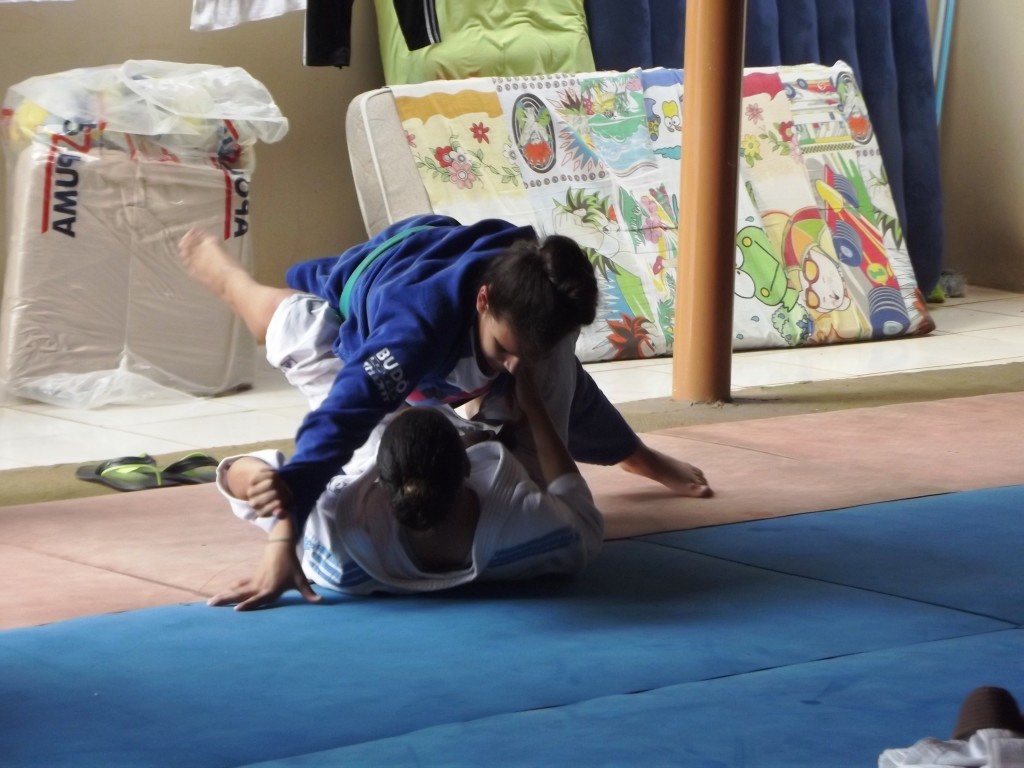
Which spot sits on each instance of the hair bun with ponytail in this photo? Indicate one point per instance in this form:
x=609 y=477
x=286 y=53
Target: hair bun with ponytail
x=422 y=464
x=572 y=274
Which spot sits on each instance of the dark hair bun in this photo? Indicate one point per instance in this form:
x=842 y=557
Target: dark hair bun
x=421 y=464
x=572 y=274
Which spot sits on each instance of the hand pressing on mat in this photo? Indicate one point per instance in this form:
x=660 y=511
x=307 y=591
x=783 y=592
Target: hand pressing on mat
x=279 y=571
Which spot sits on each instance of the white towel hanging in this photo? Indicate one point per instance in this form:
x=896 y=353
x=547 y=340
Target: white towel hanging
x=209 y=15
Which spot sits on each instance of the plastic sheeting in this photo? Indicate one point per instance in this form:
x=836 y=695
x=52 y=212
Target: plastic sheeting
x=106 y=169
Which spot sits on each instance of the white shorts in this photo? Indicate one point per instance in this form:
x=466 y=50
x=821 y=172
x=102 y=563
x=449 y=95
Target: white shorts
x=300 y=344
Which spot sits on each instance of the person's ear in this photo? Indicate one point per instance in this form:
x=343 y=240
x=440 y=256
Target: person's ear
x=482 y=300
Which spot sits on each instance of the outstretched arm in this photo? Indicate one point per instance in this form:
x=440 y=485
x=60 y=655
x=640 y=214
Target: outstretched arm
x=598 y=434
x=280 y=570
x=552 y=455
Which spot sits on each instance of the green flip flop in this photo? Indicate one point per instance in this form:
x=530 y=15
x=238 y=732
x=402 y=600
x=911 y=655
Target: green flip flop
x=125 y=473
x=192 y=469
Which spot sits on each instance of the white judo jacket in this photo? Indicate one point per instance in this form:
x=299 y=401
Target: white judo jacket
x=351 y=539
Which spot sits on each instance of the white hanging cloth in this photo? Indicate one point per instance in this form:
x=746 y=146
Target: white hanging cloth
x=209 y=15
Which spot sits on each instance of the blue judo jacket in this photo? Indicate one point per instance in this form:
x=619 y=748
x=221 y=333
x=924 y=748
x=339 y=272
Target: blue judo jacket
x=408 y=321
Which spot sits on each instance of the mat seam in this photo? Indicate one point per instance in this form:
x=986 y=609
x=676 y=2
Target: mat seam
x=1012 y=623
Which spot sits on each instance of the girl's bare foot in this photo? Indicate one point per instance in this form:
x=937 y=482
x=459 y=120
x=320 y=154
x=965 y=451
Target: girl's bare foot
x=208 y=263
x=678 y=476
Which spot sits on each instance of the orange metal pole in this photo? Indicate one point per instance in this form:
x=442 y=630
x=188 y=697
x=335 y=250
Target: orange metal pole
x=713 y=71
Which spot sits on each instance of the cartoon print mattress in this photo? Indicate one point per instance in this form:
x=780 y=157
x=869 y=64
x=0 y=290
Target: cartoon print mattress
x=820 y=254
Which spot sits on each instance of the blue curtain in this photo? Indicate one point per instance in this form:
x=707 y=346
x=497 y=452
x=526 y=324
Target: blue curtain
x=886 y=42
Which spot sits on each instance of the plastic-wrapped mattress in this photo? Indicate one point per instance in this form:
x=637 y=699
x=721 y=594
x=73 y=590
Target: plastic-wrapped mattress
x=97 y=307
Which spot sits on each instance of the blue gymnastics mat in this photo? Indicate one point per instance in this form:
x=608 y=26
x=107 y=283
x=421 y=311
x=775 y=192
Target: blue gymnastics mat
x=960 y=550
x=839 y=712
x=189 y=685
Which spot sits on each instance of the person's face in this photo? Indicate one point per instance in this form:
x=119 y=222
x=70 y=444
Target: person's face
x=499 y=347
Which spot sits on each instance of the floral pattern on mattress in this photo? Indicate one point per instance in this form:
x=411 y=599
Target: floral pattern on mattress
x=820 y=255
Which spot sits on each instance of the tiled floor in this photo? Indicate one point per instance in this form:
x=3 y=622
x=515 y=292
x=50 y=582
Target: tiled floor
x=986 y=327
